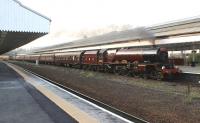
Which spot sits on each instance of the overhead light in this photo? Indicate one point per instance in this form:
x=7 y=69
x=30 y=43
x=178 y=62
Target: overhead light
x=3 y=34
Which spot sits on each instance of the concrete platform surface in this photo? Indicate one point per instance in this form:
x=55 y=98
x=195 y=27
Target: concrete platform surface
x=20 y=102
x=189 y=69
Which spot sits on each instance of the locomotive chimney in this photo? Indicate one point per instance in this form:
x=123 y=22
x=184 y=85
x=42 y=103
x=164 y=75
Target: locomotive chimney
x=144 y=34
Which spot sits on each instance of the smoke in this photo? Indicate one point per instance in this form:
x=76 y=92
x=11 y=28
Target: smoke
x=85 y=33
x=143 y=33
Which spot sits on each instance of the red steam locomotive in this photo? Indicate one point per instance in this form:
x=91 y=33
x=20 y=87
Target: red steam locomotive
x=147 y=62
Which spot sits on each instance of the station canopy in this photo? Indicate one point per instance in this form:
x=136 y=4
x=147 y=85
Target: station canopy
x=20 y=25
x=175 y=35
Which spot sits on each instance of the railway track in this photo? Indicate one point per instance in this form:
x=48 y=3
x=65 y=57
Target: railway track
x=184 y=78
x=99 y=103
x=193 y=78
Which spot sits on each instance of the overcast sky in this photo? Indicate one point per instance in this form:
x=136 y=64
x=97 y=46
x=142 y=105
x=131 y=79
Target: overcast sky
x=73 y=16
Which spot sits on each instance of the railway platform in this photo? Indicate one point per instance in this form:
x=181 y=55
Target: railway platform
x=21 y=103
x=27 y=98
x=190 y=70
x=190 y=74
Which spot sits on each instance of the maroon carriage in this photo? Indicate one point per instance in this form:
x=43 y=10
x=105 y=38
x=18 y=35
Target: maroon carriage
x=34 y=57
x=90 y=59
x=20 y=57
x=68 y=58
x=47 y=58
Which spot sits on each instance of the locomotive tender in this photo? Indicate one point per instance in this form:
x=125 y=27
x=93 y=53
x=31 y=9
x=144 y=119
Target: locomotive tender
x=146 y=62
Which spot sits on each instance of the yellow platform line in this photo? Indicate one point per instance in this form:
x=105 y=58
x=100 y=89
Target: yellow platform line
x=73 y=111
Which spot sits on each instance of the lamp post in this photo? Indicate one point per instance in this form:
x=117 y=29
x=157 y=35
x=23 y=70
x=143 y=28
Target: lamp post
x=193 y=58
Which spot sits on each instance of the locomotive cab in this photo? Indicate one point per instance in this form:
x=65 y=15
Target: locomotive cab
x=168 y=70
x=162 y=55
x=102 y=56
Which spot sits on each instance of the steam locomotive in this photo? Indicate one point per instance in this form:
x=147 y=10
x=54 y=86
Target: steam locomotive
x=146 y=62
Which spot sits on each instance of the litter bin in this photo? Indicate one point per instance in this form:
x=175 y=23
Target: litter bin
x=193 y=64
x=37 y=62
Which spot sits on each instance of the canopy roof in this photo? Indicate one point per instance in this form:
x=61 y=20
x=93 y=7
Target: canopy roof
x=20 y=25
